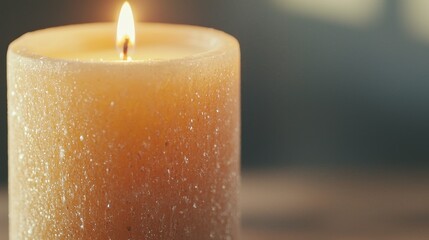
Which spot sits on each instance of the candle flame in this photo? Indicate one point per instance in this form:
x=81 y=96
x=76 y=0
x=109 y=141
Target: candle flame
x=125 y=34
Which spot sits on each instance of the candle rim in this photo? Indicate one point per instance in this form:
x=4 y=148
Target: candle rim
x=226 y=43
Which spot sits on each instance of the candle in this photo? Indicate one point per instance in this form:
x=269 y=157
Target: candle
x=107 y=145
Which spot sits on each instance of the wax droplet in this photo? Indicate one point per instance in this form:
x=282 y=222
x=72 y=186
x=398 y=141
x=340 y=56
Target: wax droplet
x=62 y=153
x=81 y=137
x=30 y=231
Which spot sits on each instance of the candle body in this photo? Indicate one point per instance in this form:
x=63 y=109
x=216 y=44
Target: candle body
x=124 y=150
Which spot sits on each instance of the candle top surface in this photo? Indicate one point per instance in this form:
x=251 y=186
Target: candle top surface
x=94 y=43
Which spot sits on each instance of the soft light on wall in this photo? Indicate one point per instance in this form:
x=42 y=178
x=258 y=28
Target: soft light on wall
x=355 y=13
x=416 y=18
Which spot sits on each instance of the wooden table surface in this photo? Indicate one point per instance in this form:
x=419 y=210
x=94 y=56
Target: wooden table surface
x=305 y=205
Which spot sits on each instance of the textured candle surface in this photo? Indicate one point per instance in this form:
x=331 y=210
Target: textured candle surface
x=124 y=150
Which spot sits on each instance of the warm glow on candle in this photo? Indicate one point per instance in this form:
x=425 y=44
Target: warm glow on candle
x=125 y=34
x=147 y=148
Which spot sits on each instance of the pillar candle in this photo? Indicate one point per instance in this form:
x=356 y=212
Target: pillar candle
x=105 y=148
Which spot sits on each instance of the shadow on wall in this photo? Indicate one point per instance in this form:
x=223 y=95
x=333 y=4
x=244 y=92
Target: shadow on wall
x=321 y=88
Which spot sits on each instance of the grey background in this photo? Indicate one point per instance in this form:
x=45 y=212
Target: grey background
x=315 y=92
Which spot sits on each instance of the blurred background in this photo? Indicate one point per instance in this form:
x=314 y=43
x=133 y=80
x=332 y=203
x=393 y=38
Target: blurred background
x=331 y=89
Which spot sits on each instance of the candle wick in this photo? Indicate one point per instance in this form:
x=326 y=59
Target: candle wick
x=125 y=49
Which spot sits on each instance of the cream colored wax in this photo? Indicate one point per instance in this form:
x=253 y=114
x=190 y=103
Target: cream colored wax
x=101 y=148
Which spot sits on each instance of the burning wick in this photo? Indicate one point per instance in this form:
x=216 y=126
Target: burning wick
x=124 y=54
x=125 y=34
